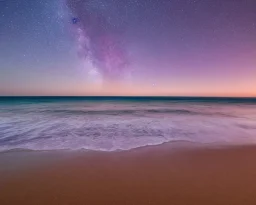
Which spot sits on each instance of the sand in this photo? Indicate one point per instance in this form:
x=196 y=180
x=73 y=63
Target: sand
x=165 y=174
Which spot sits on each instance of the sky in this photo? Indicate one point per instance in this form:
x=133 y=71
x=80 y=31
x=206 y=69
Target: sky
x=128 y=47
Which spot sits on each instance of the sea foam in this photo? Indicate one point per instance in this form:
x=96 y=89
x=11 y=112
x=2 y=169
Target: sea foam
x=122 y=125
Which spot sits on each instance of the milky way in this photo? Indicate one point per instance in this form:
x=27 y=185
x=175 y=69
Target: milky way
x=128 y=47
x=99 y=42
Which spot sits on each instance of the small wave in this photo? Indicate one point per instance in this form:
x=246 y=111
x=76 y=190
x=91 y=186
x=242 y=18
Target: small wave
x=247 y=127
x=135 y=112
x=122 y=126
x=181 y=142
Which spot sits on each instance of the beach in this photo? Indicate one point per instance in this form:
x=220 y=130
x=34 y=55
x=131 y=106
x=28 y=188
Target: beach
x=127 y=150
x=127 y=102
x=171 y=173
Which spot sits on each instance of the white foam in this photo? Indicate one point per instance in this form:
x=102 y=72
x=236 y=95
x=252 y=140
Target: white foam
x=122 y=126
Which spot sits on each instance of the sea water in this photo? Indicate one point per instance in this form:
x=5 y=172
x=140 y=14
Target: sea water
x=123 y=123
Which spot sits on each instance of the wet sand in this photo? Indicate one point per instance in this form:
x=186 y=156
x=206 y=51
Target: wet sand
x=165 y=174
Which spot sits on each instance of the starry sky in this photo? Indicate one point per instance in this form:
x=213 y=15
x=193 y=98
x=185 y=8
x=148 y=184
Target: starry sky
x=128 y=47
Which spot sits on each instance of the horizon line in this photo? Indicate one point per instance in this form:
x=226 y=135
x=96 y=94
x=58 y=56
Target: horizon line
x=129 y=96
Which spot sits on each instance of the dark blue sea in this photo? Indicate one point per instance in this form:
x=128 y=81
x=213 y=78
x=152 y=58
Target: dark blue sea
x=123 y=123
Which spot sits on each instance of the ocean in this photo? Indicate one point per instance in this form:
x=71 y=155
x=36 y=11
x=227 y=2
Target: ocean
x=123 y=123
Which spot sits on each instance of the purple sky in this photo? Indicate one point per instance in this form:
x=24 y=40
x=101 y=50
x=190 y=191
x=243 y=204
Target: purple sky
x=128 y=47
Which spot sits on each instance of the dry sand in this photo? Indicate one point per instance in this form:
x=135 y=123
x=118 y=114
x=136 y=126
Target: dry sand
x=154 y=175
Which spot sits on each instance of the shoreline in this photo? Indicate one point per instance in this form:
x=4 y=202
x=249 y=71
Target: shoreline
x=172 y=173
x=23 y=159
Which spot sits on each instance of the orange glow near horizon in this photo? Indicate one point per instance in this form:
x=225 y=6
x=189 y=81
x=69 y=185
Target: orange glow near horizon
x=141 y=89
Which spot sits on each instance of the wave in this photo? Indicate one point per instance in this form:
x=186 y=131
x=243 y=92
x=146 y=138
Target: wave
x=114 y=126
x=180 y=143
x=135 y=112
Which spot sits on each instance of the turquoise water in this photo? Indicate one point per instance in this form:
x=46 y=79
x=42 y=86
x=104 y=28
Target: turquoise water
x=122 y=123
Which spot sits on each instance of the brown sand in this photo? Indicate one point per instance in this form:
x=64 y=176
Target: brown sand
x=154 y=175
